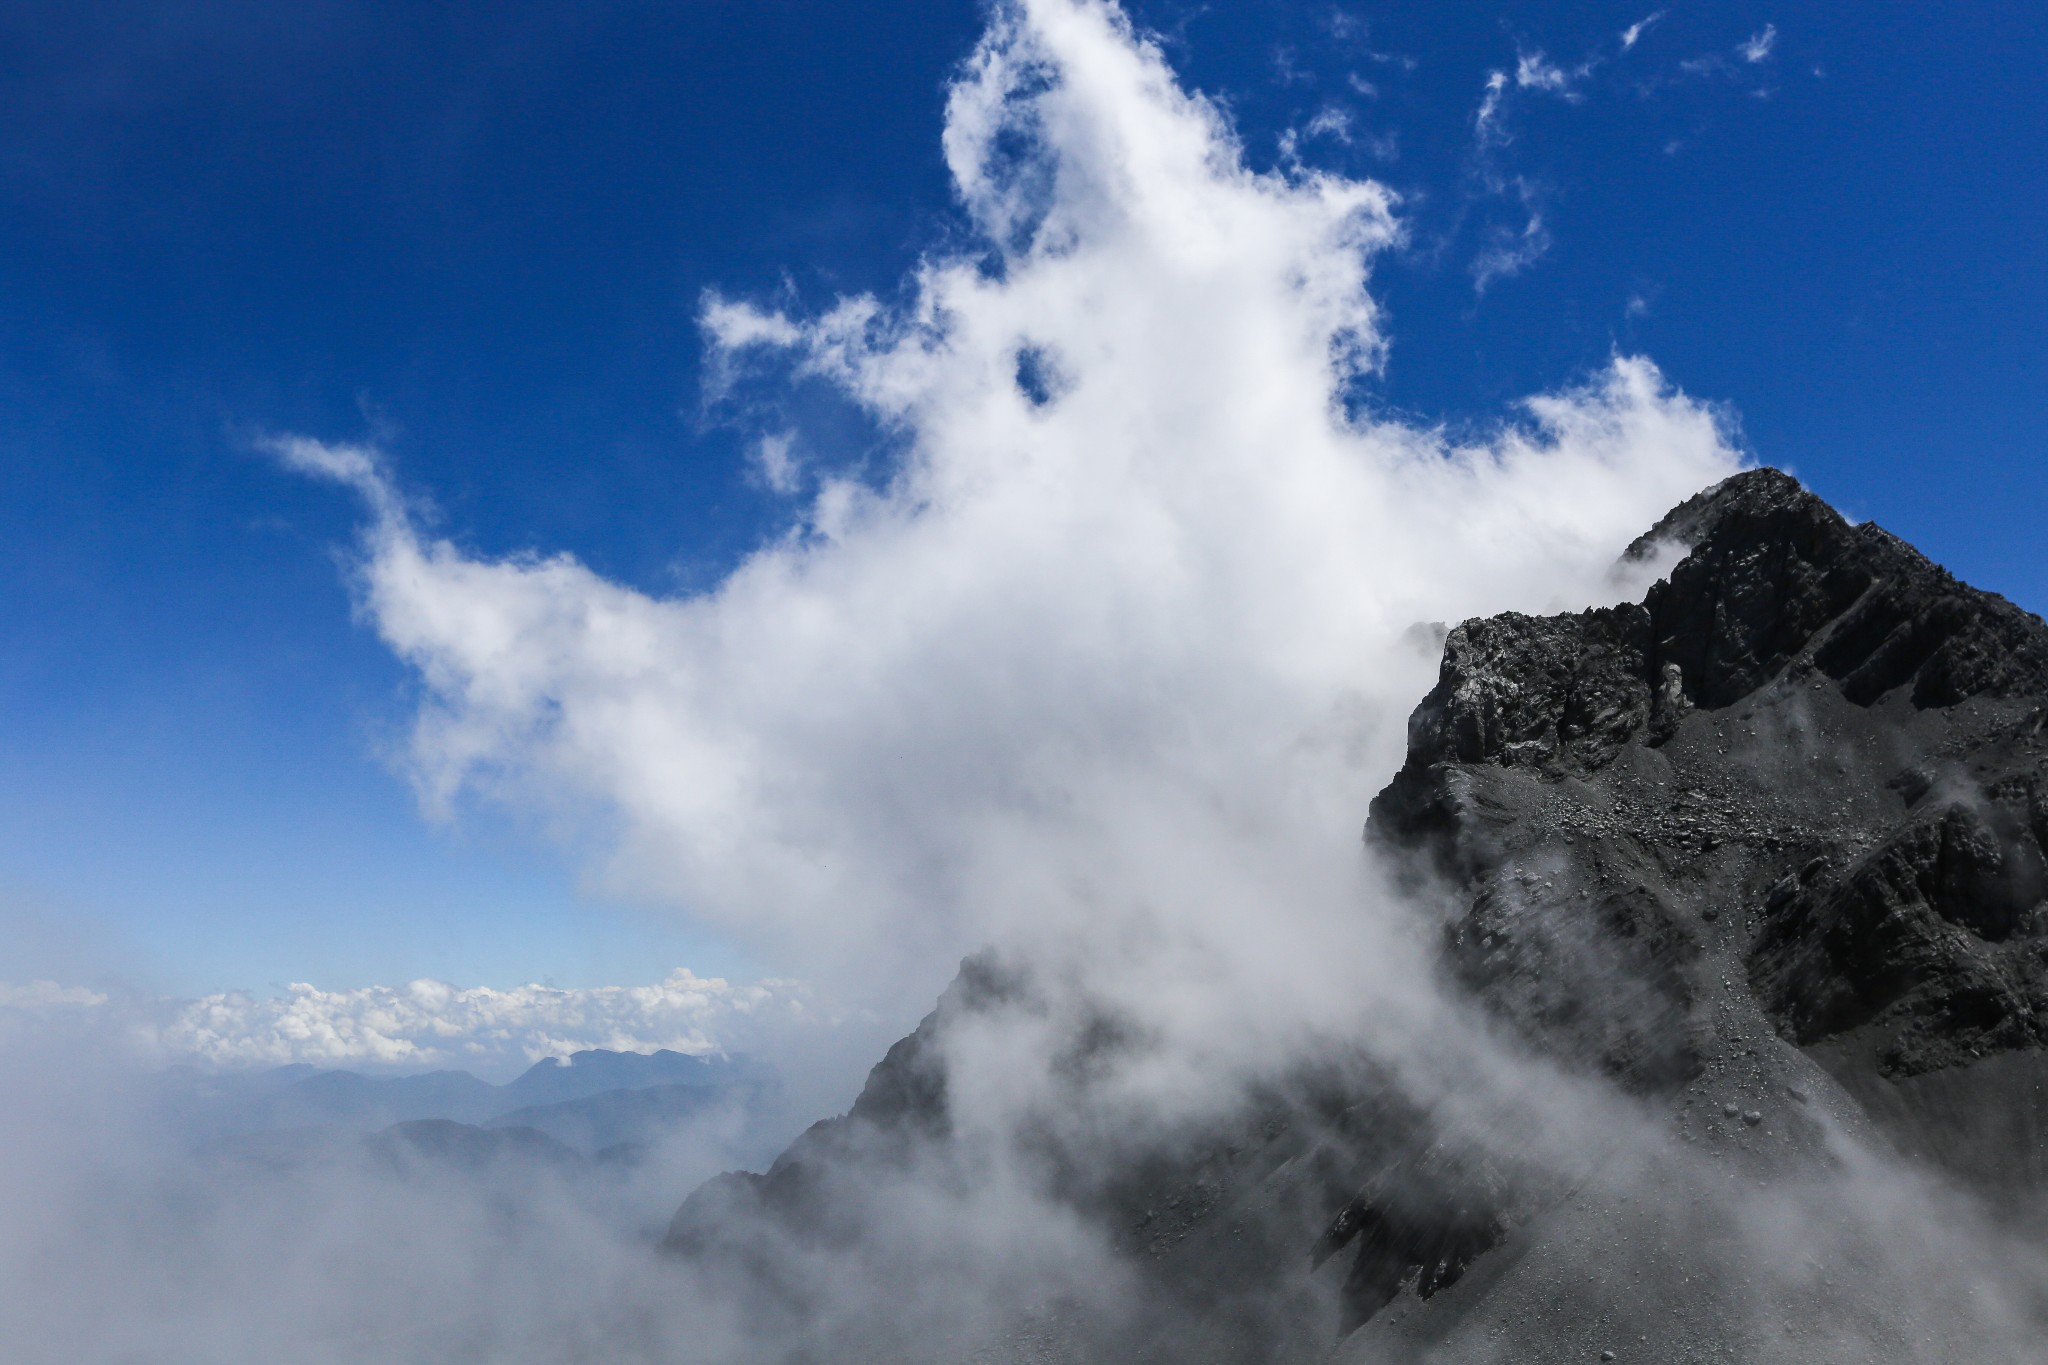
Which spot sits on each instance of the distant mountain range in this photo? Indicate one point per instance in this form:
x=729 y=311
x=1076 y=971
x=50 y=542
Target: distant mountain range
x=595 y=1100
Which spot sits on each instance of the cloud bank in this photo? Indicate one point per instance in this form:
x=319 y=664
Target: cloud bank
x=424 y=1023
x=431 y=1023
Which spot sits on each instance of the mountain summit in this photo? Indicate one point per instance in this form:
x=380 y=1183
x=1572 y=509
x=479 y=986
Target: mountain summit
x=1759 y=858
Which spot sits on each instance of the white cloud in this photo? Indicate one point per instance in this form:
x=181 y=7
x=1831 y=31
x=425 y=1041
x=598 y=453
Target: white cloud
x=358 y=467
x=38 y=996
x=1533 y=71
x=1330 y=121
x=775 y=456
x=1753 y=50
x=1130 y=656
x=737 y=326
x=1506 y=251
x=1631 y=35
x=1510 y=251
x=432 y=1023
x=1486 y=122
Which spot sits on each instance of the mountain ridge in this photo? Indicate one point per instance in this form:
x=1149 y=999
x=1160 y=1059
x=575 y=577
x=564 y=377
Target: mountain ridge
x=1764 y=848
x=557 y=1094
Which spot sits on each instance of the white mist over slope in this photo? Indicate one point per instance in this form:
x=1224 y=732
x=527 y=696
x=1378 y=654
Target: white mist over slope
x=1100 y=662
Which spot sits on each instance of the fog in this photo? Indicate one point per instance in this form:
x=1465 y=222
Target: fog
x=1095 y=655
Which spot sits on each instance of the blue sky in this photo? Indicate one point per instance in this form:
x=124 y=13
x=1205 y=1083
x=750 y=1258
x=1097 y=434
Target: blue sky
x=478 y=235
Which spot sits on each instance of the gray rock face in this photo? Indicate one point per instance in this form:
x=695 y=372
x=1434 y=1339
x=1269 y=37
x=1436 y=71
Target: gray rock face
x=1766 y=849
x=1829 y=713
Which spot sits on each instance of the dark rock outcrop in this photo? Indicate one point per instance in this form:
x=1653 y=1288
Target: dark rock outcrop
x=1832 y=717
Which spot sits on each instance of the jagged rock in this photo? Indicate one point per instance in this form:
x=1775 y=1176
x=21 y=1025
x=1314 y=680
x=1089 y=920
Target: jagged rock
x=1796 y=650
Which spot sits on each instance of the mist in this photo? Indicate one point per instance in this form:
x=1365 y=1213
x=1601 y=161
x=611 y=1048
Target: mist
x=1090 y=659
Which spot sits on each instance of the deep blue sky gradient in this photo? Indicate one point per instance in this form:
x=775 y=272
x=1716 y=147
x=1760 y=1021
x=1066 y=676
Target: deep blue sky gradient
x=477 y=233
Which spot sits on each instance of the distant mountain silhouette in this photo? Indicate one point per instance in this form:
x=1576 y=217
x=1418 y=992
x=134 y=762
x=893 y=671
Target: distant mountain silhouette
x=443 y=1143
x=624 y=1116
x=595 y=1099
x=595 y=1071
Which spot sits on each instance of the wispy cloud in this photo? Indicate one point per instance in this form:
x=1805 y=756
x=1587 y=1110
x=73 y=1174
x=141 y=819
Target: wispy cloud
x=776 y=461
x=1331 y=121
x=1354 y=33
x=1508 y=251
x=1287 y=68
x=1631 y=35
x=1486 y=120
x=359 y=467
x=37 y=996
x=1751 y=51
x=1534 y=71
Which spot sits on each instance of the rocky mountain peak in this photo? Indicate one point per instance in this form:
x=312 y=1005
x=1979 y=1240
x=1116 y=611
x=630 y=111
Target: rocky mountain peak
x=1768 y=849
x=1772 y=581
x=1773 y=573
x=1762 y=503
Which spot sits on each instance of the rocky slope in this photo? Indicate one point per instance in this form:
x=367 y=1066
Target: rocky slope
x=1811 y=762
x=1765 y=849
